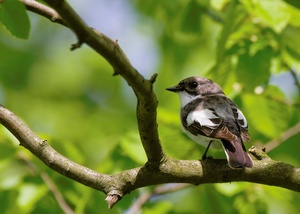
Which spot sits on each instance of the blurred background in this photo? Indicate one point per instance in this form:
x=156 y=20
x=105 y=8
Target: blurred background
x=251 y=48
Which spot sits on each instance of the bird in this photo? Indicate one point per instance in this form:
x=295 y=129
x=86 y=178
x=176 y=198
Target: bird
x=213 y=120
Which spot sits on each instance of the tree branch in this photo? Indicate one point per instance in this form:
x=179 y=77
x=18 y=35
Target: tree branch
x=110 y=50
x=50 y=184
x=295 y=77
x=158 y=191
x=265 y=171
x=48 y=155
x=283 y=137
x=43 y=10
x=159 y=169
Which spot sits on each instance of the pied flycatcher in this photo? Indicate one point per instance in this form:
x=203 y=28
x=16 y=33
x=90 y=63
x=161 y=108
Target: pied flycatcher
x=212 y=119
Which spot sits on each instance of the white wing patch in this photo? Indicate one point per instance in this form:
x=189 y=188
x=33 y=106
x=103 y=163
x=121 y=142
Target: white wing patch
x=242 y=118
x=203 y=117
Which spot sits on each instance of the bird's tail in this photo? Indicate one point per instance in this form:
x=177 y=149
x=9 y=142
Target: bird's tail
x=237 y=156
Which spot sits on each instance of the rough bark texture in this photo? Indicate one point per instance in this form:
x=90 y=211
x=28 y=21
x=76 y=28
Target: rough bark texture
x=265 y=170
x=159 y=168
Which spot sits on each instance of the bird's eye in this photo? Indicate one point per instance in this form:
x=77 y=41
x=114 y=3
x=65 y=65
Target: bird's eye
x=193 y=84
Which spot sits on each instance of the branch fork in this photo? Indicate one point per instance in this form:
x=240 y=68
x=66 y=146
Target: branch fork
x=160 y=168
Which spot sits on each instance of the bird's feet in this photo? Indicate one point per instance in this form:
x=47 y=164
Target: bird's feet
x=206 y=150
x=209 y=157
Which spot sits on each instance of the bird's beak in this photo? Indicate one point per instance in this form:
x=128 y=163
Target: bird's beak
x=175 y=88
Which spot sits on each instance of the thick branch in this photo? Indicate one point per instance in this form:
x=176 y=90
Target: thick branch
x=110 y=50
x=50 y=184
x=48 y=155
x=265 y=170
x=159 y=169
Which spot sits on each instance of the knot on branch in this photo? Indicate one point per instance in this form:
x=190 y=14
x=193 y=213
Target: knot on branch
x=259 y=154
x=76 y=45
x=113 y=197
x=153 y=78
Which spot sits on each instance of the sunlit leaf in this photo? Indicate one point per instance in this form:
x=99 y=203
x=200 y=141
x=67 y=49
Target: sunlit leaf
x=295 y=3
x=291 y=41
x=164 y=207
x=266 y=111
x=222 y=74
x=29 y=195
x=132 y=146
x=253 y=70
x=11 y=174
x=71 y=99
x=14 y=17
x=273 y=13
x=230 y=189
x=233 y=20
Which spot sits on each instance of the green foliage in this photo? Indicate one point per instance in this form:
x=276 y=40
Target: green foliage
x=72 y=100
x=14 y=17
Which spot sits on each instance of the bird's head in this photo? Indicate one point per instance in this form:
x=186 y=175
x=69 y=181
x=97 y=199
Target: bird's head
x=193 y=87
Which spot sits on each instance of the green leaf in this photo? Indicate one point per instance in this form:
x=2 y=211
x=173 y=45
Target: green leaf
x=222 y=73
x=29 y=195
x=294 y=15
x=230 y=189
x=274 y=13
x=235 y=14
x=192 y=12
x=266 y=111
x=14 y=17
x=11 y=174
x=132 y=146
x=290 y=37
x=295 y=3
x=255 y=68
x=163 y=207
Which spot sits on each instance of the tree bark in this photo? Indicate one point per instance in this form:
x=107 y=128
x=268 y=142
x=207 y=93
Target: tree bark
x=159 y=168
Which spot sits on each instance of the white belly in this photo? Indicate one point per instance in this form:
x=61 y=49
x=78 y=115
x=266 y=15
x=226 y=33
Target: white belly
x=204 y=141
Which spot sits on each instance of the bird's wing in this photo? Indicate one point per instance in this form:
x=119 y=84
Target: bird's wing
x=208 y=123
x=241 y=121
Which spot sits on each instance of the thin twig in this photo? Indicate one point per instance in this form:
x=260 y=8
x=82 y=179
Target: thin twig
x=284 y=101
x=296 y=80
x=44 y=11
x=41 y=149
x=57 y=194
x=283 y=137
x=50 y=184
x=160 y=190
